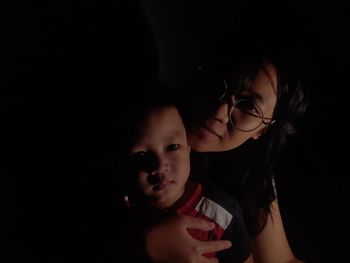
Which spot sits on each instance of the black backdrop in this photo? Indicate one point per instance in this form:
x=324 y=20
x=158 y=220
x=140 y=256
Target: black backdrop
x=64 y=67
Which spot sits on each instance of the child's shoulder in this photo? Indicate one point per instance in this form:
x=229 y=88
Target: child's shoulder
x=220 y=198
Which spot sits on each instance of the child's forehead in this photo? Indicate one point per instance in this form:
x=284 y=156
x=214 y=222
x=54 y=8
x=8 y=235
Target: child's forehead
x=165 y=120
x=163 y=125
x=164 y=114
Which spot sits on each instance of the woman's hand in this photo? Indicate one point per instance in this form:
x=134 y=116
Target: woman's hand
x=171 y=242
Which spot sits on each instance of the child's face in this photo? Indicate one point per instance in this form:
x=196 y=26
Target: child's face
x=161 y=157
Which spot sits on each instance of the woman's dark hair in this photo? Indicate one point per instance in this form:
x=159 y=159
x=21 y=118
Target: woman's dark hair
x=290 y=106
x=240 y=64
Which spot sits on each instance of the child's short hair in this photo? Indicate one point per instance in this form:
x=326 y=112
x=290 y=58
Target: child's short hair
x=145 y=102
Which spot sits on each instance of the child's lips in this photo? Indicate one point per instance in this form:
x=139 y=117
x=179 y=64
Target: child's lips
x=162 y=185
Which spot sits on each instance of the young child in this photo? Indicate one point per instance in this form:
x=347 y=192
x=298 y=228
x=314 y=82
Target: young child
x=158 y=171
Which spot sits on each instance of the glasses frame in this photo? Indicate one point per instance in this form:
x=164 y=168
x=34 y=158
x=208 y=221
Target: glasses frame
x=232 y=107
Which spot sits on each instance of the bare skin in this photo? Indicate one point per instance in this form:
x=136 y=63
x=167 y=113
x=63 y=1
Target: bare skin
x=271 y=245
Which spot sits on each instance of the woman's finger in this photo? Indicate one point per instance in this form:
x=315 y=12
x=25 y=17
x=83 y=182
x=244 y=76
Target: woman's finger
x=197 y=223
x=210 y=260
x=212 y=246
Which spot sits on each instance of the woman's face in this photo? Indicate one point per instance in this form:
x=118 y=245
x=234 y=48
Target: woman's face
x=219 y=134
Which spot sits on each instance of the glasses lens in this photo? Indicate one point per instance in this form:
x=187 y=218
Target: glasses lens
x=245 y=115
x=210 y=87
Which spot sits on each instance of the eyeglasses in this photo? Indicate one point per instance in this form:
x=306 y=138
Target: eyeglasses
x=246 y=116
x=243 y=113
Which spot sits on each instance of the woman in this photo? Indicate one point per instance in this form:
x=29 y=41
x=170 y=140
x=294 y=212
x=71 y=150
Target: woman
x=238 y=98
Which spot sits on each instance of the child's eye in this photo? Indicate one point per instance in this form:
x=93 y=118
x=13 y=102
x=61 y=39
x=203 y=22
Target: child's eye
x=139 y=154
x=137 y=157
x=144 y=161
x=173 y=147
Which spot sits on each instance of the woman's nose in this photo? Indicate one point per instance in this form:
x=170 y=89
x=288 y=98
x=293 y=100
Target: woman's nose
x=221 y=113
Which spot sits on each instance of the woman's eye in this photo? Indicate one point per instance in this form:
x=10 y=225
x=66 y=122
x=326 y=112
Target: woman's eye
x=246 y=105
x=249 y=107
x=173 y=147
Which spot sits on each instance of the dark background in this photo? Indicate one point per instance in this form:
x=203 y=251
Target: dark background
x=65 y=66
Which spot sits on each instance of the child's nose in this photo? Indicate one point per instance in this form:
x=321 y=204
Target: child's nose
x=147 y=163
x=162 y=165
x=155 y=178
x=160 y=169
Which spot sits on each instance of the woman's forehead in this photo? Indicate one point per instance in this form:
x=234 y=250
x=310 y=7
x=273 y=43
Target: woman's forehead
x=264 y=83
x=269 y=71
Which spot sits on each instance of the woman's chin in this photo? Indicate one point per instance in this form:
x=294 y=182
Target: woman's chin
x=204 y=141
x=201 y=145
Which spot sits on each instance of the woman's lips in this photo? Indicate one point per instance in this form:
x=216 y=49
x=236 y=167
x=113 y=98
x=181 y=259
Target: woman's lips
x=210 y=132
